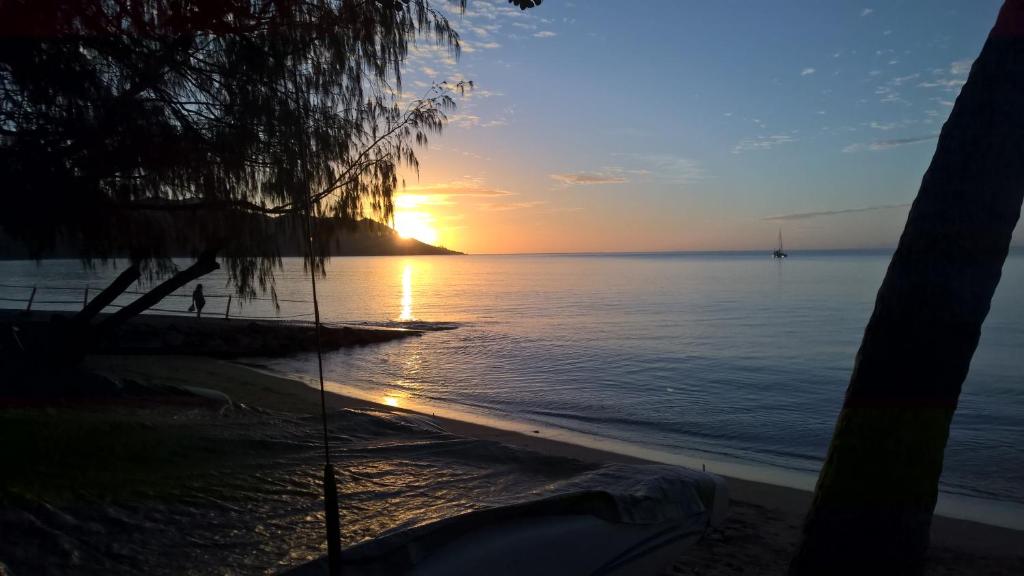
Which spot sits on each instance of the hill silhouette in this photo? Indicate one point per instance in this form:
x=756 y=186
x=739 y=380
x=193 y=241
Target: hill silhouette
x=363 y=238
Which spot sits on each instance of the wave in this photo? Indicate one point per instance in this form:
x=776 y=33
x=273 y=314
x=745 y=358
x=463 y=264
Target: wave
x=422 y=325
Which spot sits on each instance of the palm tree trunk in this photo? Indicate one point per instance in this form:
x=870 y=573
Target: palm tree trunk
x=875 y=496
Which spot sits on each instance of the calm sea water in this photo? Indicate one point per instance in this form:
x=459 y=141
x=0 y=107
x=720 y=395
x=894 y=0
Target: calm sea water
x=724 y=358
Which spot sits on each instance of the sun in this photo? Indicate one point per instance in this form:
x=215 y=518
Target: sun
x=418 y=225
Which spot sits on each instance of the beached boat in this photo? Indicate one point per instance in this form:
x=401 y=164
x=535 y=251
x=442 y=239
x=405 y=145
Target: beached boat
x=617 y=520
x=779 y=253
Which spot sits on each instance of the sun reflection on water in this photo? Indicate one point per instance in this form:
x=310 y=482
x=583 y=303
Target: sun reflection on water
x=406 y=292
x=391 y=401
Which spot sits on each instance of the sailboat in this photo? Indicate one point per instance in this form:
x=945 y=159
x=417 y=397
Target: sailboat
x=779 y=253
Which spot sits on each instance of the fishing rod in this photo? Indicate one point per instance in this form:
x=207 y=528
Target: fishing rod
x=330 y=484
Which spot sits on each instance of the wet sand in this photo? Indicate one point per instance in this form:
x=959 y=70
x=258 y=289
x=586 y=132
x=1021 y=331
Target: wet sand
x=759 y=536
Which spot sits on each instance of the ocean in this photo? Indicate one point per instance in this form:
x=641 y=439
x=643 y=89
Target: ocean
x=732 y=361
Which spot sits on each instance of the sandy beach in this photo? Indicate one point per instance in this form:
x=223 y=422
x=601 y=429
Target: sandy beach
x=758 y=538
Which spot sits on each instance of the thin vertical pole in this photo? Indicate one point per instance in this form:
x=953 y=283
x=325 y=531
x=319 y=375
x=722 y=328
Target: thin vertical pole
x=227 y=311
x=30 y=299
x=85 y=298
x=330 y=484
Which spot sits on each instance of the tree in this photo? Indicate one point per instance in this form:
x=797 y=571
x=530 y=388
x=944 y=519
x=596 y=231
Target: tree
x=116 y=115
x=875 y=496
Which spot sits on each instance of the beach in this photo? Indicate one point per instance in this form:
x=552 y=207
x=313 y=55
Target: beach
x=712 y=358
x=758 y=537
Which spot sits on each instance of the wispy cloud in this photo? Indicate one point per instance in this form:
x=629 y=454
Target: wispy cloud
x=890 y=92
x=809 y=215
x=761 y=143
x=901 y=80
x=588 y=178
x=474 y=121
x=545 y=34
x=950 y=80
x=469 y=192
x=662 y=167
x=513 y=206
x=948 y=84
x=465 y=187
x=807 y=71
x=884 y=126
x=470 y=47
x=867 y=12
x=878 y=145
x=961 y=67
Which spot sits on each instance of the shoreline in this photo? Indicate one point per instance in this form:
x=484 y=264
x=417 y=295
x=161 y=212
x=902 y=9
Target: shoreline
x=562 y=442
x=772 y=512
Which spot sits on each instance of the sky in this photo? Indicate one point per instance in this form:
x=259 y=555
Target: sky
x=658 y=125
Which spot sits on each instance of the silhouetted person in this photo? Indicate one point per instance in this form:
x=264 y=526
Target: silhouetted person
x=198 y=301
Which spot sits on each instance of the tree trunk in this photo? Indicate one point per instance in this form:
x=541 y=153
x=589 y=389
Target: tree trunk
x=108 y=295
x=204 y=265
x=875 y=496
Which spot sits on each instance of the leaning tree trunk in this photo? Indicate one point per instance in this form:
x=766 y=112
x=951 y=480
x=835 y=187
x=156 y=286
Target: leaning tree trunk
x=873 y=504
x=204 y=265
x=109 y=294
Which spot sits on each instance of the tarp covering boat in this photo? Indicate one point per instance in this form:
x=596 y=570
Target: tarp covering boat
x=617 y=519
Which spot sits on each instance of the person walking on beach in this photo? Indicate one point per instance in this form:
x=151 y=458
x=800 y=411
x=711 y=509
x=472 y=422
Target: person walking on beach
x=198 y=301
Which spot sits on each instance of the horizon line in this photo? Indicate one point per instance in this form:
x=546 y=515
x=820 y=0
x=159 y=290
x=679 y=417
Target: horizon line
x=641 y=252
x=1016 y=247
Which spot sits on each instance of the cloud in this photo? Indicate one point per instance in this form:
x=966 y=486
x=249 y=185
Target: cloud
x=545 y=34
x=885 y=126
x=468 y=191
x=961 y=67
x=901 y=80
x=867 y=12
x=761 y=143
x=474 y=121
x=952 y=79
x=587 y=178
x=467 y=187
x=887 y=144
x=663 y=167
x=464 y=120
x=948 y=84
x=470 y=47
x=809 y=215
x=890 y=91
x=513 y=206
x=807 y=71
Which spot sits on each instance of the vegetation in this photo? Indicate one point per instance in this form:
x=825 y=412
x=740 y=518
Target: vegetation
x=115 y=116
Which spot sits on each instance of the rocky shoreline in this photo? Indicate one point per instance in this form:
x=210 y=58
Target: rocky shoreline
x=215 y=337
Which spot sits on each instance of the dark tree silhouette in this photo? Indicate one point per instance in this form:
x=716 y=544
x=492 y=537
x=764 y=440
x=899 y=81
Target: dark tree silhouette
x=115 y=114
x=875 y=496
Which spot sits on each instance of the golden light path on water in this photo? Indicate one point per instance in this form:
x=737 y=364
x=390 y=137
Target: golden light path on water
x=412 y=360
x=406 y=292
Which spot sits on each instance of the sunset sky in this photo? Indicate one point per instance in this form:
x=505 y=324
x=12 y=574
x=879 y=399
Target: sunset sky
x=686 y=125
